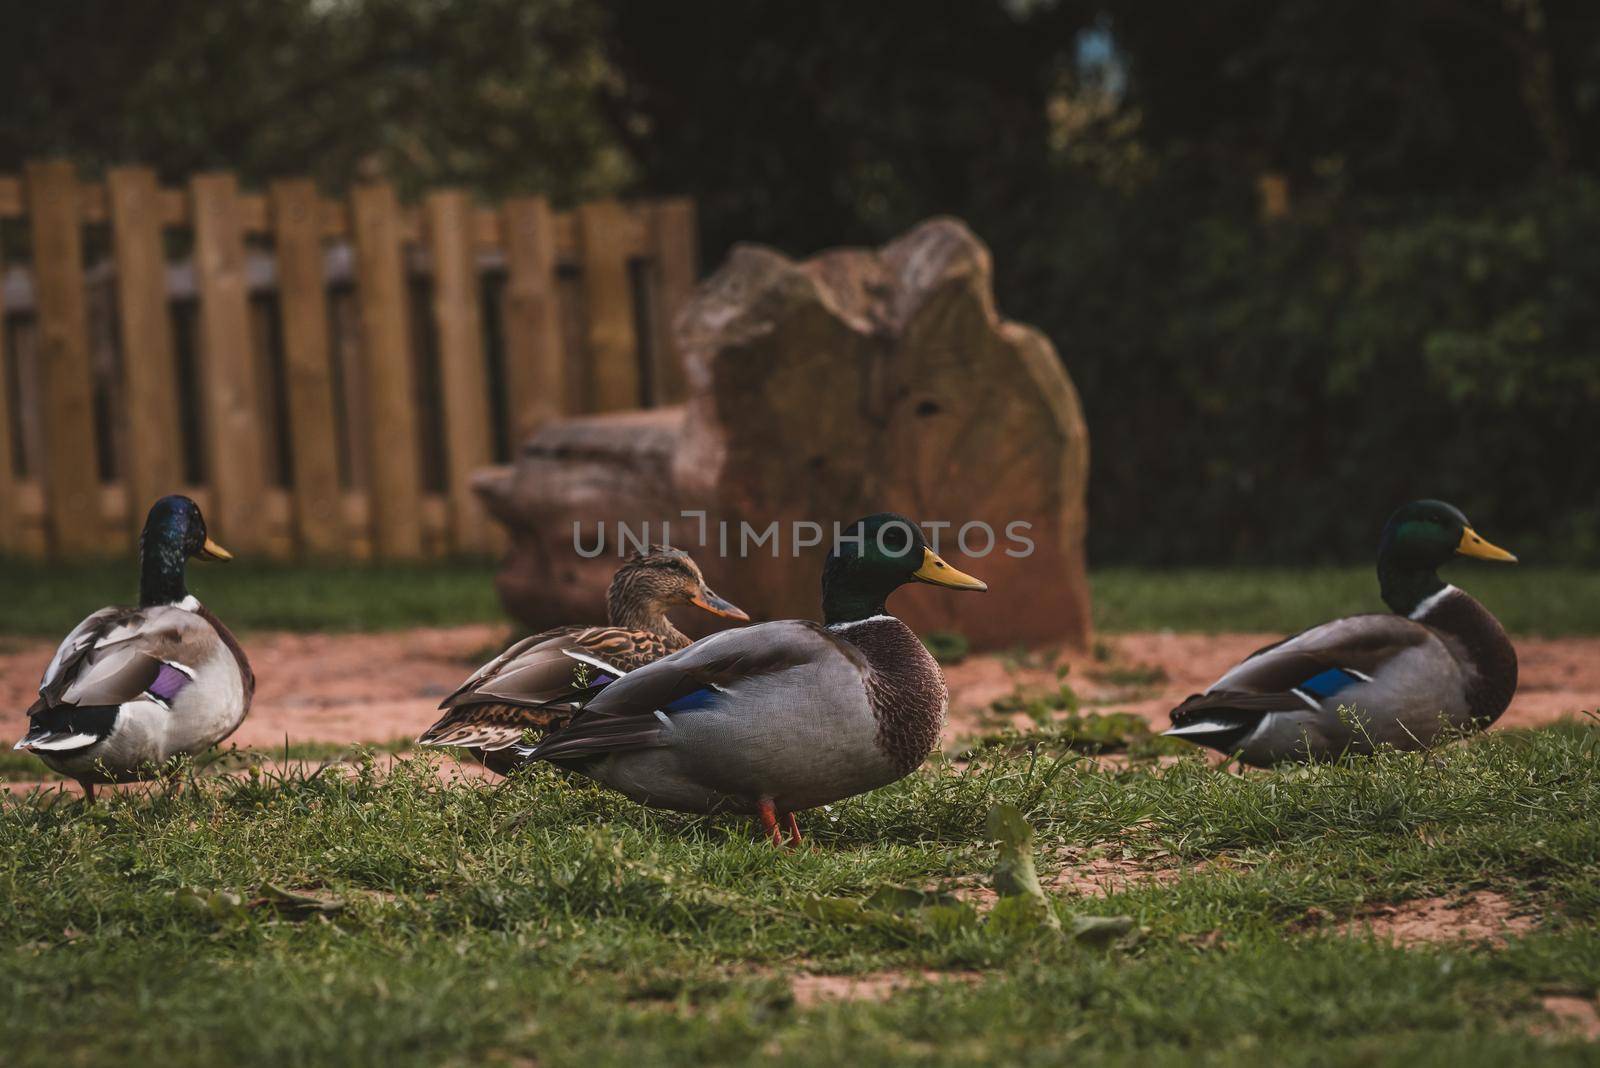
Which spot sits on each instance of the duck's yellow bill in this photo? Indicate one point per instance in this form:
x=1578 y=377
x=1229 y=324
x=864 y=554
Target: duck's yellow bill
x=212 y=551
x=1472 y=544
x=936 y=572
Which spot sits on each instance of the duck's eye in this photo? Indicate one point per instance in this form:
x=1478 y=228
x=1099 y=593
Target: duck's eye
x=894 y=540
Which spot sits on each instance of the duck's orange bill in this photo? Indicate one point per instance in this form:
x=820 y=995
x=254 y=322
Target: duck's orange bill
x=718 y=606
x=212 y=551
x=1473 y=544
x=936 y=572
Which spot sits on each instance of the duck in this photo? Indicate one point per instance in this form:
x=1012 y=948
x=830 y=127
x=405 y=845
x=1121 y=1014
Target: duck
x=1437 y=665
x=538 y=683
x=780 y=717
x=130 y=688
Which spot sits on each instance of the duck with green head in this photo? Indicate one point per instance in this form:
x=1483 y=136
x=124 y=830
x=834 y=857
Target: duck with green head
x=1439 y=665
x=779 y=717
x=130 y=688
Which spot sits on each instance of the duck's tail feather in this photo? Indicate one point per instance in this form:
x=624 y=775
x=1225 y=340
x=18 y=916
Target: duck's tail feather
x=45 y=740
x=494 y=726
x=1221 y=719
x=63 y=728
x=596 y=736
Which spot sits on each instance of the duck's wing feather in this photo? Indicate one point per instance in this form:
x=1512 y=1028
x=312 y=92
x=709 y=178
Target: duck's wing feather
x=77 y=644
x=494 y=666
x=1302 y=671
x=632 y=712
x=538 y=683
x=115 y=656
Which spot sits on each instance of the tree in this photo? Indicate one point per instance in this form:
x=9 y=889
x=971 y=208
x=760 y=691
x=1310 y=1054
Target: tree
x=497 y=94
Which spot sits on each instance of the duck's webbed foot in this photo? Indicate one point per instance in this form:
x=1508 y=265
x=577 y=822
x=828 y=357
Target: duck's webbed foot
x=767 y=813
x=774 y=825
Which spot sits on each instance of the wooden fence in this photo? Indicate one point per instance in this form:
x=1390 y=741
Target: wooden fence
x=322 y=375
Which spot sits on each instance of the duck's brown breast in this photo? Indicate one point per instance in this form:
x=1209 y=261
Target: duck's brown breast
x=1478 y=641
x=905 y=687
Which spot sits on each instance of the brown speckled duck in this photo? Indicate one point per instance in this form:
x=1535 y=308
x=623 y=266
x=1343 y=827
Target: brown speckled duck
x=1439 y=665
x=779 y=717
x=131 y=688
x=538 y=683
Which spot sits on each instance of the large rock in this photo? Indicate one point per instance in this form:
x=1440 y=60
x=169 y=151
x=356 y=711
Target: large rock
x=855 y=382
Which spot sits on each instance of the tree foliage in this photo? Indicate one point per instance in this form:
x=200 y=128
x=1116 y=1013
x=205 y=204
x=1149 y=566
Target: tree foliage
x=1414 y=317
x=499 y=95
x=1415 y=324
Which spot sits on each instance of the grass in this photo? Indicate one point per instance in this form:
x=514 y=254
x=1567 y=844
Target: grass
x=1542 y=601
x=545 y=920
x=47 y=601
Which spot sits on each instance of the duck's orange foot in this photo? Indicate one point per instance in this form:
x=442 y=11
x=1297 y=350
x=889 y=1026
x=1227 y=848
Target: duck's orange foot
x=792 y=825
x=767 y=813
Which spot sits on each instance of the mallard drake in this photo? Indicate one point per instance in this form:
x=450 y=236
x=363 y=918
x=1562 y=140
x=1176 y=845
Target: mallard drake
x=779 y=717
x=538 y=683
x=130 y=688
x=1440 y=663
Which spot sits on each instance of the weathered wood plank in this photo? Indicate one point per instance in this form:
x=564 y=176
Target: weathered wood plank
x=71 y=476
x=609 y=332
x=254 y=216
x=235 y=455
x=393 y=446
x=10 y=513
x=536 y=385
x=675 y=252
x=463 y=374
x=30 y=538
x=153 y=465
x=308 y=368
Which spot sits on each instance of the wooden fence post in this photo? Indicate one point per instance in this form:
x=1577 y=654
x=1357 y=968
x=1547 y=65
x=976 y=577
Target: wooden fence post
x=395 y=492
x=296 y=214
x=676 y=253
x=462 y=373
x=73 y=518
x=10 y=507
x=608 y=306
x=536 y=377
x=234 y=453
x=604 y=371
x=154 y=465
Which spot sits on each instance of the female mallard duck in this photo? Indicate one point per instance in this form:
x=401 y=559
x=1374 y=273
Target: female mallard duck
x=1441 y=663
x=130 y=688
x=538 y=683
x=784 y=716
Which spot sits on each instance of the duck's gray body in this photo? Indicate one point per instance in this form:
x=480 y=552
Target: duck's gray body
x=790 y=712
x=130 y=688
x=1357 y=683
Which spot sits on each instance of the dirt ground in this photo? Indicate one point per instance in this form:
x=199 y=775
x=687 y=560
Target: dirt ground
x=378 y=688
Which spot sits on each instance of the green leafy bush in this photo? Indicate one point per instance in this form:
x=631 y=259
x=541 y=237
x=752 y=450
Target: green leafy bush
x=1267 y=392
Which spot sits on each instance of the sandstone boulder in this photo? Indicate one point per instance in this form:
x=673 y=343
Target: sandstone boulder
x=854 y=382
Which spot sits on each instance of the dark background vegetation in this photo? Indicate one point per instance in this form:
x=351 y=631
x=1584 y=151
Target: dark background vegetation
x=1304 y=260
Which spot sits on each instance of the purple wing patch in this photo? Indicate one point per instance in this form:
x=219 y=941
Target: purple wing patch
x=168 y=681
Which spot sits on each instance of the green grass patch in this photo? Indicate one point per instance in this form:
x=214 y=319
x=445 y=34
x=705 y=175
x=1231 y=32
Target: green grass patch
x=1543 y=601
x=48 y=599
x=365 y=916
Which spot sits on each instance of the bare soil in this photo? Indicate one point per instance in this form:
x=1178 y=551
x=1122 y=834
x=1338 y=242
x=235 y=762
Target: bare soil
x=812 y=990
x=1571 y=1016
x=1148 y=673
x=342 y=688
x=377 y=688
x=1482 y=916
